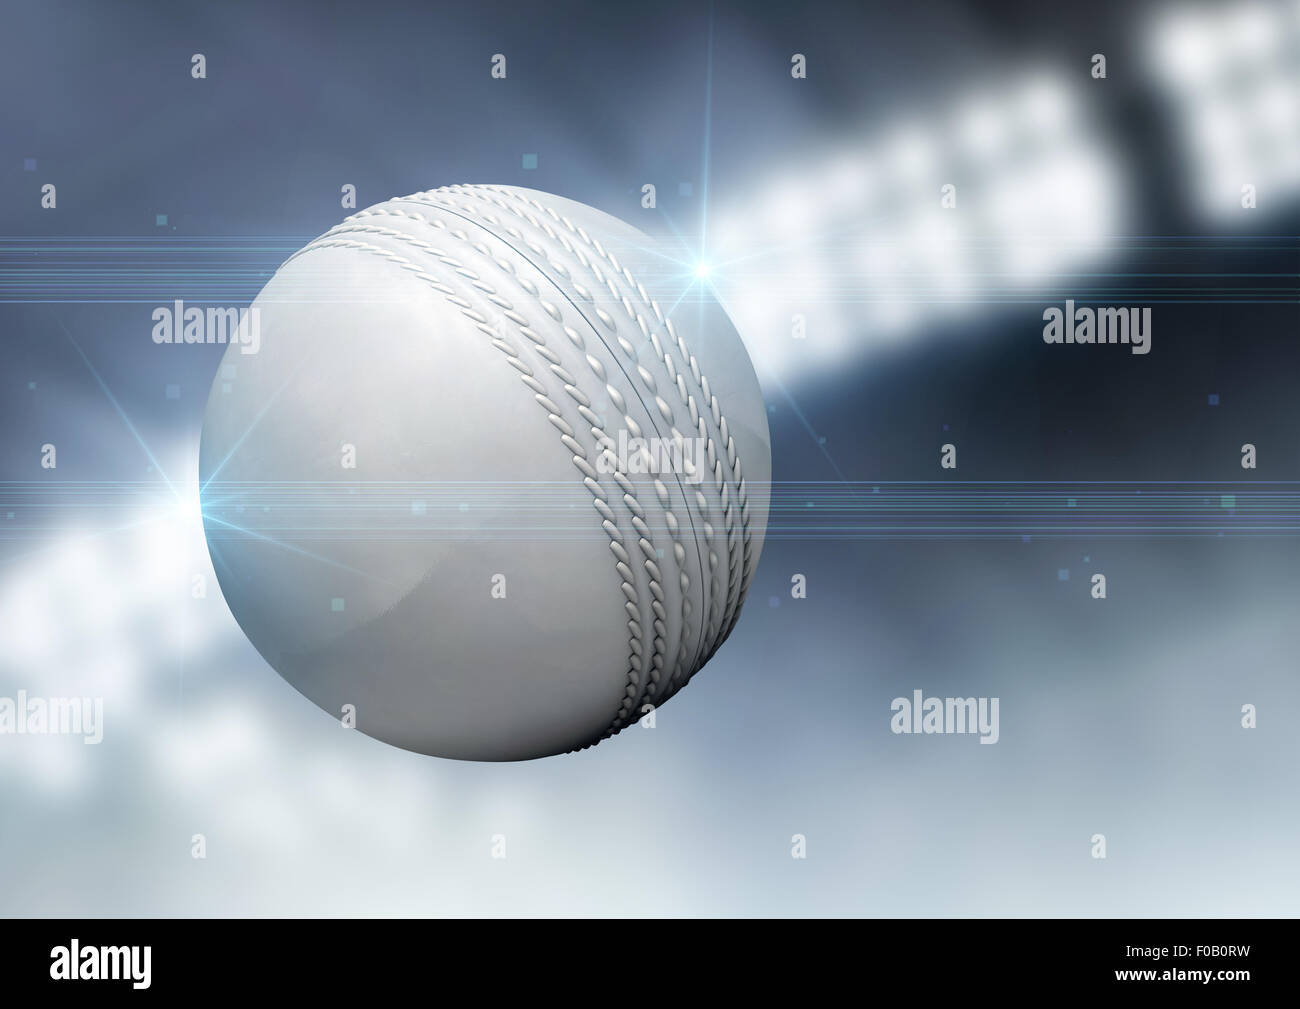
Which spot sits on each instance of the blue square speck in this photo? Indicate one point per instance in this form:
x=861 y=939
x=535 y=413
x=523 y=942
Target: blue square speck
x=336 y=605
x=1063 y=575
x=530 y=162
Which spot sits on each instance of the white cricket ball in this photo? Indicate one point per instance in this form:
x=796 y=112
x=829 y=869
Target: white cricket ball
x=476 y=492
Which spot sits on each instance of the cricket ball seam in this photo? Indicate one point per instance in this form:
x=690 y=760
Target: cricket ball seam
x=695 y=644
x=738 y=580
x=701 y=379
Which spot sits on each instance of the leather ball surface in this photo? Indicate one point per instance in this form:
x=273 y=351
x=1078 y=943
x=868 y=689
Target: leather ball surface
x=496 y=479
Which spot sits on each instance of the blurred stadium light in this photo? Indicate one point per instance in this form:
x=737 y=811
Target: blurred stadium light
x=843 y=252
x=1232 y=73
